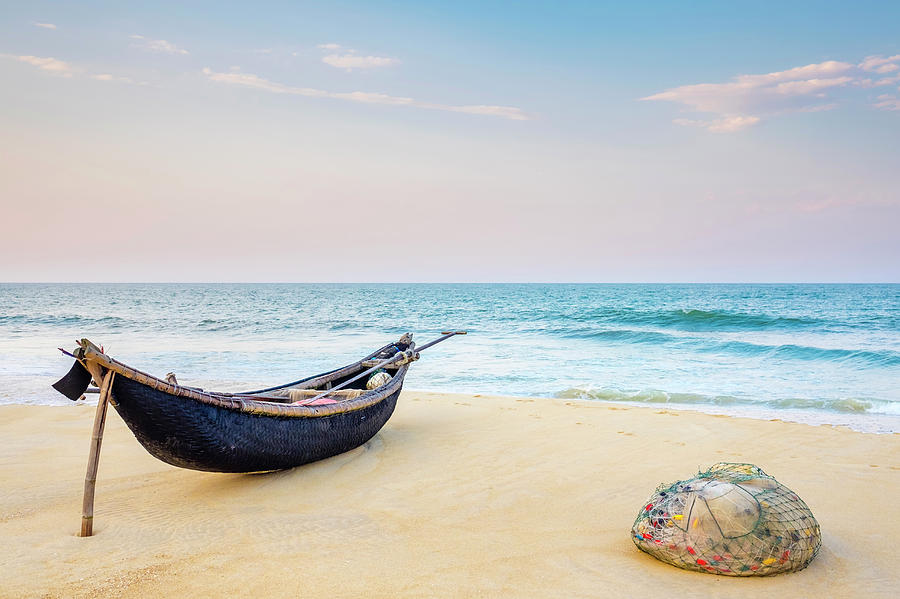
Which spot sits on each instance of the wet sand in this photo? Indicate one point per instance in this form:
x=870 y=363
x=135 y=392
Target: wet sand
x=458 y=496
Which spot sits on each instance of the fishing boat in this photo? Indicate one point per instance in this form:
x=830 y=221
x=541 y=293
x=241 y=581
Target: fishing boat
x=253 y=431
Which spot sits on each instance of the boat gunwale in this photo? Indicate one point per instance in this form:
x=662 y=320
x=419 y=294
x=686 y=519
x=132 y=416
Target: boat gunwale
x=243 y=403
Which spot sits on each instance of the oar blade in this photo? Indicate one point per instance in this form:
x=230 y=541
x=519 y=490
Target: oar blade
x=75 y=383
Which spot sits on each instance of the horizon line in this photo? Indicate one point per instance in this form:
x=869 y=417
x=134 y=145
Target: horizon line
x=449 y=282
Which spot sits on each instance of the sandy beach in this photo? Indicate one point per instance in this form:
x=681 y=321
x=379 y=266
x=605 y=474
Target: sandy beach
x=458 y=496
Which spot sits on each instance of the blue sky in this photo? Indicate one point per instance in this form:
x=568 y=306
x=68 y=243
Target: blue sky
x=508 y=141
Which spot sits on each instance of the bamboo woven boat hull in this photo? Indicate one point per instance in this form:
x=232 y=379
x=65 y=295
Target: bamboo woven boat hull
x=245 y=432
x=201 y=436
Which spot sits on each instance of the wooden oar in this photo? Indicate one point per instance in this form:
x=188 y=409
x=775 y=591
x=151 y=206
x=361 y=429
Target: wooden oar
x=408 y=355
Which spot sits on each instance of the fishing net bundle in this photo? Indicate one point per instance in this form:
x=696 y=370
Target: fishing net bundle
x=731 y=519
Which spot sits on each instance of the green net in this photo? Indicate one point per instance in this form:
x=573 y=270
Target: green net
x=731 y=519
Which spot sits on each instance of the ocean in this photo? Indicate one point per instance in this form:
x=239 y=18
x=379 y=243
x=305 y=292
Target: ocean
x=820 y=354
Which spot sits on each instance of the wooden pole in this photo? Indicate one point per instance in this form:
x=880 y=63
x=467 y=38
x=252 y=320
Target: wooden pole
x=409 y=355
x=90 y=478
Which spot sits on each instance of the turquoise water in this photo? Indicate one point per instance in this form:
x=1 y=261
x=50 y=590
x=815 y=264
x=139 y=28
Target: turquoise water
x=812 y=353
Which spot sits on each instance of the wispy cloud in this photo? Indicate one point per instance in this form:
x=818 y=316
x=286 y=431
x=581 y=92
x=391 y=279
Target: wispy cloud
x=884 y=69
x=352 y=61
x=887 y=102
x=45 y=25
x=880 y=64
x=722 y=125
x=49 y=64
x=161 y=46
x=119 y=78
x=256 y=82
x=868 y=82
x=507 y=112
x=748 y=99
x=66 y=69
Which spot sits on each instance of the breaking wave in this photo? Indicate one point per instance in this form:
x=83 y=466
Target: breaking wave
x=654 y=397
x=705 y=344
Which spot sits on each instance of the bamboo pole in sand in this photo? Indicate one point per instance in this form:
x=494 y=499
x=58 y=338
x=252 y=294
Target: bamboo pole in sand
x=90 y=478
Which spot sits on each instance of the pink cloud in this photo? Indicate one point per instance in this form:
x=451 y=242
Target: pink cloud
x=747 y=99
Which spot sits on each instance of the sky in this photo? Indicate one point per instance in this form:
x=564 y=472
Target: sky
x=450 y=142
